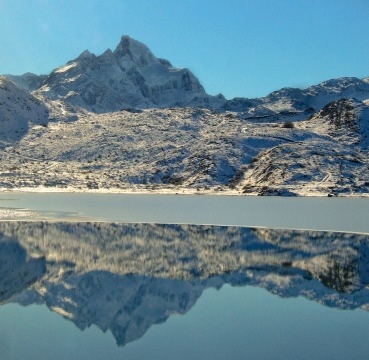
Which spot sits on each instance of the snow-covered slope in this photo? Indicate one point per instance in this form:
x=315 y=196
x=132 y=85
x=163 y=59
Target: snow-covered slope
x=184 y=148
x=129 y=76
x=333 y=161
x=173 y=147
x=18 y=110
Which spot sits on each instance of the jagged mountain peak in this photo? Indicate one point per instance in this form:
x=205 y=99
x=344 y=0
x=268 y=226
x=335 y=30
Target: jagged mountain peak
x=130 y=76
x=137 y=52
x=85 y=54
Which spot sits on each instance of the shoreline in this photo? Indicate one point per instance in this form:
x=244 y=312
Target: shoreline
x=284 y=193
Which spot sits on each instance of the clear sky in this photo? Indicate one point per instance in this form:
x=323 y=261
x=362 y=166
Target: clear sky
x=242 y=48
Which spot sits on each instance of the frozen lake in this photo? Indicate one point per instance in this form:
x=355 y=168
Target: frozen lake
x=331 y=214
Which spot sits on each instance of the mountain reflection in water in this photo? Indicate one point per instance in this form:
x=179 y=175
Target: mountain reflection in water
x=126 y=277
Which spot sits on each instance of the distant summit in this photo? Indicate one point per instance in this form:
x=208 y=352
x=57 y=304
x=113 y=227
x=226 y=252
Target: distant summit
x=129 y=76
x=300 y=102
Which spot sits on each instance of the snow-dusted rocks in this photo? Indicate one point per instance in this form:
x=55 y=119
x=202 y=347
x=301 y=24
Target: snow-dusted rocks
x=196 y=149
x=171 y=147
x=327 y=153
x=129 y=76
x=298 y=103
x=18 y=110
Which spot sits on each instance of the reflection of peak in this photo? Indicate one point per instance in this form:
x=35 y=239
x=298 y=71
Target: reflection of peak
x=126 y=305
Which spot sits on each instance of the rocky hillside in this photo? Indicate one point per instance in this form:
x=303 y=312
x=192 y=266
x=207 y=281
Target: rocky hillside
x=197 y=149
x=178 y=148
x=333 y=161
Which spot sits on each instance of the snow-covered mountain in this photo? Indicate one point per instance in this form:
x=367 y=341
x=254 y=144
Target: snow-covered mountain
x=19 y=110
x=125 y=278
x=159 y=128
x=297 y=103
x=129 y=76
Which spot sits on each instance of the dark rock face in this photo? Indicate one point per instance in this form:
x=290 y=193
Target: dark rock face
x=341 y=114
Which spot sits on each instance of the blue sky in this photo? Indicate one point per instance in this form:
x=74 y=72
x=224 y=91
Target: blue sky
x=237 y=47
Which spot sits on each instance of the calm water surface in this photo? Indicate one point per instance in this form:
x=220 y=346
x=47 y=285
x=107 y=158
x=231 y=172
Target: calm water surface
x=123 y=286
x=147 y=291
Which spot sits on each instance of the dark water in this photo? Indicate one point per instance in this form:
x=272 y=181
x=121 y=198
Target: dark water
x=147 y=291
